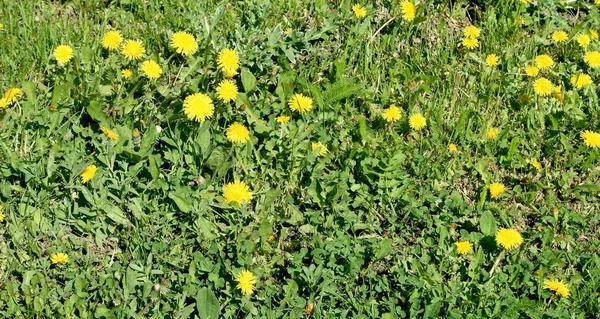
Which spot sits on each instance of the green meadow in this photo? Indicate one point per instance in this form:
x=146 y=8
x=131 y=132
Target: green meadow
x=299 y=159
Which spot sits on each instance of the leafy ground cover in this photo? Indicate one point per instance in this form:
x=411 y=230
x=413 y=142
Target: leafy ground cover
x=288 y=159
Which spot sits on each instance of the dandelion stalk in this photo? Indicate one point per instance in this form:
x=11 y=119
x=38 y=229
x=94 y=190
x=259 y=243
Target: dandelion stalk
x=496 y=263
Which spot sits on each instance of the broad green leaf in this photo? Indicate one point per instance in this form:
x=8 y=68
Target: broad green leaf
x=487 y=223
x=248 y=81
x=207 y=304
x=182 y=203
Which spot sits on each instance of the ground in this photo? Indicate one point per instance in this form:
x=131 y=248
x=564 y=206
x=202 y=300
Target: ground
x=384 y=198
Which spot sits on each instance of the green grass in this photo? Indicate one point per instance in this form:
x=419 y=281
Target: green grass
x=366 y=231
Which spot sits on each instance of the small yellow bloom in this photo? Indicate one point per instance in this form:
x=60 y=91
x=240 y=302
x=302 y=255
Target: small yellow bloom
x=583 y=40
x=228 y=61
x=532 y=70
x=109 y=133
x=591 y=139
x=452 y=148
x=581 y=80
x=198 y=107
x=88 y=173
x=491 y=60
x=300 y=103
x=59 y=258
x=63 y=53
x=470 y=43
x=391 y=114
x=560 y=36
x=4 y=102
x=472 y=32
x=543 y=86
x=417 y=121
x=238 y=133
x=535 y=163
x=409 y=11
x=496 y=189
x=126 y=73
x=464 y=247
x=12 y=93
x=112 y=40
x=544 y=62
x=283 y=119
x=309 y=308
x=1 y=27
x=558 y=286
x=151 y=69
x=184 y=43
x=238 y=192
x=246 y=282
x=133 y=50
x=322 y=148
x=491 y=133
x=227 y=91
x=592 y=58
x=288 y=31
x=508 y=238
x=359 y=11
x=1 y=214
x=594 y=34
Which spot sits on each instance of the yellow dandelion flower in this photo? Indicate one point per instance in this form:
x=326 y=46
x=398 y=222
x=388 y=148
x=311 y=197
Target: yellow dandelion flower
x=229 y=73
x=452 y=148
x=472 y=32
x=525 y=1
x=198 y=107
x=300 y=103
x=238 y=192
x=409 y=11
x=184 y=43
x=288 y=31
x=470 y=43
x=246 y=282
x=228 y=60
x=543 y=86
x=583 y=40
x=59 y=258
x=592 y=58
x=557 y=94
x=63 y=53
x=238 y=133
x=227 y=91
x=109 y=133
x=359 y=11
x=464 y=247
x=12 y=93
x=322 y=148
x=1 y=214
x=1 y=27
x=591 y=139
x=417 y=121
x=597 y=2
x=283 y=119
x=4 y=102
x=88 y=173
x=560 y=36
x=111 y=40
x=535 y=163
x=391 y=114
x=151 y=69
x=492 y=60
x=594 y=34
x=126 y=73
x=581 y=80
x=558 y=286
x=532 y=70
x=508 y=238
x=544 y=62
x=133 y=50
x=309 y=308
x=496 y=189
x=491 y=133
